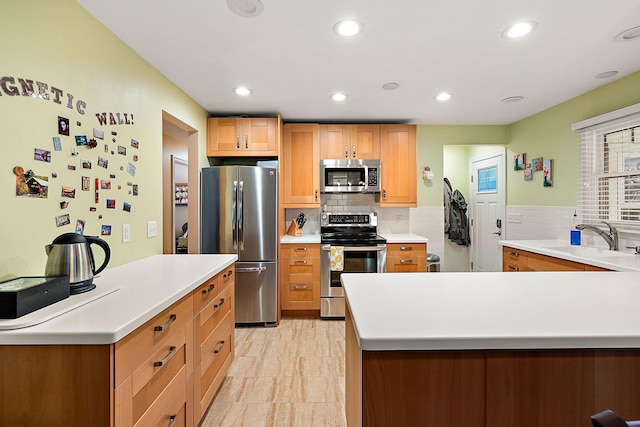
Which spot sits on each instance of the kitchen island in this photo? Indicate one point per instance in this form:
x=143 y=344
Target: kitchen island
x=154 y=348
x=490 y=349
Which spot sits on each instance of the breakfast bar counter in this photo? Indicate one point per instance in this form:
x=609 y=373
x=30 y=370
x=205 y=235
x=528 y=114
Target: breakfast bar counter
x=491 y=349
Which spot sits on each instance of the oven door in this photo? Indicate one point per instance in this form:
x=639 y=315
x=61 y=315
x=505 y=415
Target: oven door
x=357 y=259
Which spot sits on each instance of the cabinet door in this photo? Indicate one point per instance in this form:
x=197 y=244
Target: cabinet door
x=335 y=142
x=223 y=135
x=301 y=165
x=398 y=162
x=365 y=142
x=259 y=136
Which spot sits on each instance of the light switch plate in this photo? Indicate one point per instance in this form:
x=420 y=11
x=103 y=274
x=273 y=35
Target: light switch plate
x=152 y=229
x=126 y=233
x=514 y=218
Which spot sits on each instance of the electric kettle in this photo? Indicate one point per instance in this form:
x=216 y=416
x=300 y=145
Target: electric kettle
x=70 y=255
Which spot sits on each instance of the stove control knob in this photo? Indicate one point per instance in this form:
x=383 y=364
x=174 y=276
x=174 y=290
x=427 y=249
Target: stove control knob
x=324 y=216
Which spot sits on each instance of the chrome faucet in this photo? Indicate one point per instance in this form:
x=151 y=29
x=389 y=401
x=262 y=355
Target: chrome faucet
x=611 y=238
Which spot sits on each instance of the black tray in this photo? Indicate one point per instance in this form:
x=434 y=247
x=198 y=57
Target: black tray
x=24 y=295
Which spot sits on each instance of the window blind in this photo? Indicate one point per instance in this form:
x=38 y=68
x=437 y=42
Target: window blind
x=610 y=172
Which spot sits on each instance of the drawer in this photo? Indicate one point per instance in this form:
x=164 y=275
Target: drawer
x=407 y=249
x=216 y=344
x=167 y=404
x=227 y=277
x=155 y=375
x=138 y=346
x=301 y=270
x=175 y=415
x=300 y=251
x=406 y=263
x=205 y=293
x=217 y=353
x=211 y=316
x=537 y=262
x=301 y=296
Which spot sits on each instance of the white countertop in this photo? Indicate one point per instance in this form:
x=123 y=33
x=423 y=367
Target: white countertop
x=624 y=260
x=144 y=288
x=454 y=311
x=391 y=238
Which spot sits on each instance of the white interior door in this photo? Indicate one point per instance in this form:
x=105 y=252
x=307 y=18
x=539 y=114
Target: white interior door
x=487 y=210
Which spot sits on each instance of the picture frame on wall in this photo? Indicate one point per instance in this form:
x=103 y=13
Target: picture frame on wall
x=518 y=162
x=547 y=173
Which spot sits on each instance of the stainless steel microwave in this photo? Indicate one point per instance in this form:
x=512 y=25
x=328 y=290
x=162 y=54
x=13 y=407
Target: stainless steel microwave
x=350 y=176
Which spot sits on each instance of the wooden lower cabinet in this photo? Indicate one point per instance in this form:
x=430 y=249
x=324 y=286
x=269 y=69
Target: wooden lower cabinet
x=300 y=277
x=164 y=373
x=406 y=257
x=487 y=388
x=517 y=260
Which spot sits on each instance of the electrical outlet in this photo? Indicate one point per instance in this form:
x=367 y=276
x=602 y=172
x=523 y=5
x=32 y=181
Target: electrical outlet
x=152 y=229
x=514 y=218
x=126 y=233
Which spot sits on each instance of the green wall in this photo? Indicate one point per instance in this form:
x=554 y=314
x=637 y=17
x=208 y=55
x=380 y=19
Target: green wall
x=59 y=43
x=547 y=134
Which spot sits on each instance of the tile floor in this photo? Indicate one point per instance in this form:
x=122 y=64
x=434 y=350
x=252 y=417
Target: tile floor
x=292 y=375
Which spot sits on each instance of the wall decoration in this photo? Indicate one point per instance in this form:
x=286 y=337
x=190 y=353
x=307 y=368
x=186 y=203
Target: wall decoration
x=63 y=125
x=135 y=157
x=78 y=123
x=86 y=182
x=80 y=226
x=42 y=155
x=547 y=173
x=112 y=152
x=81 y=140
x=518 y=162
x=54 y=174
x=105 y=230
x=134 y=143
x=103 y=162
x=71 y=167
x=122 y=150
x=126 y=207
x=135 y=189
x=64 y=204
x=527 y=174
x=92 y=143
x=86 y=164
x=114 y=133
x=131 y=170
x=536 y=164
x=111 y=203
x=105 y=184
x=69 y=192
x=92 y=209
x=62 y=220
x=106 y=148
x=28 y=184
x=57 y=145
x=98 y=133
x=74 y=152
x=181 y=196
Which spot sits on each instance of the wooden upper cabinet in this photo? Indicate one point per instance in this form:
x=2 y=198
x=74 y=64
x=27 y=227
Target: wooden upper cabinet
x=300 y=165
x=349 y=141
x=398 y=163
x=236 y=136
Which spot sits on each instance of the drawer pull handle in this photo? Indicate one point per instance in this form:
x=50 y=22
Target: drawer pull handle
x=406 y=261
x=164 y=326
x=300 y=287
x=229 y=273
x=513 y=253
x=208 y=290
x=172 y=352
x=512 y=268
x=172 y=419
x=219 y=349
x=301 y=261
x=301 y=249
x=406 y=248
x=218 y=305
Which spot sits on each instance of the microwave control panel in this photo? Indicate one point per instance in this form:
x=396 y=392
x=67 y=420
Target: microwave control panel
x=372 y=180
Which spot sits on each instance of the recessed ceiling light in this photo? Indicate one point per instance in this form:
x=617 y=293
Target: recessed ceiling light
x=520 y=29
x=630 y=34
x=390 y=86
x=243 y=91
x=512 y=99
x=348 y=27
x=606 y=74
x=246 y=8
x=339 y=96
x=443 y=96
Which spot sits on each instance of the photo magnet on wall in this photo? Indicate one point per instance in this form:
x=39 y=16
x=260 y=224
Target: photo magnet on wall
x=98 y=133
x=69 y=192
x=42 y=155
x=81 y=140
x=126 y=207
x=62 y=220
x=57 y=145
x=105 y=230
x=63 y=126
x=547 y=173
x=80 y=226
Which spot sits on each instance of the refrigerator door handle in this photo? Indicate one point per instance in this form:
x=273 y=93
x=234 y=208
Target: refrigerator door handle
x=241 y=216
x=234 y=220
x=251 y=270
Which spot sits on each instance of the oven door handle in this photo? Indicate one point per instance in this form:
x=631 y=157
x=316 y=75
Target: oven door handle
x=357 y=248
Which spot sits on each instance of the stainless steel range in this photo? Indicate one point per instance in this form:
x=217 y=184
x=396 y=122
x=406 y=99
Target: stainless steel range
x=363 y=250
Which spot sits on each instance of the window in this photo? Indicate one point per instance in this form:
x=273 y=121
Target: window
x=610 y=177
x=487 y=182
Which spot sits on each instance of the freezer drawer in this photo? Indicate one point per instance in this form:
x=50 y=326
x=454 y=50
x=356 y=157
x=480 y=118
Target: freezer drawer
x=256 y=293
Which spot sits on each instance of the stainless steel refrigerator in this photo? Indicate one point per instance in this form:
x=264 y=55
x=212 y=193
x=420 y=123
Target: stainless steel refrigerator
x=239 y=207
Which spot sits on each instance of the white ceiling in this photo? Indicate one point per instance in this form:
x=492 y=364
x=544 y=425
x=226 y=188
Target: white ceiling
x=293 y=61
